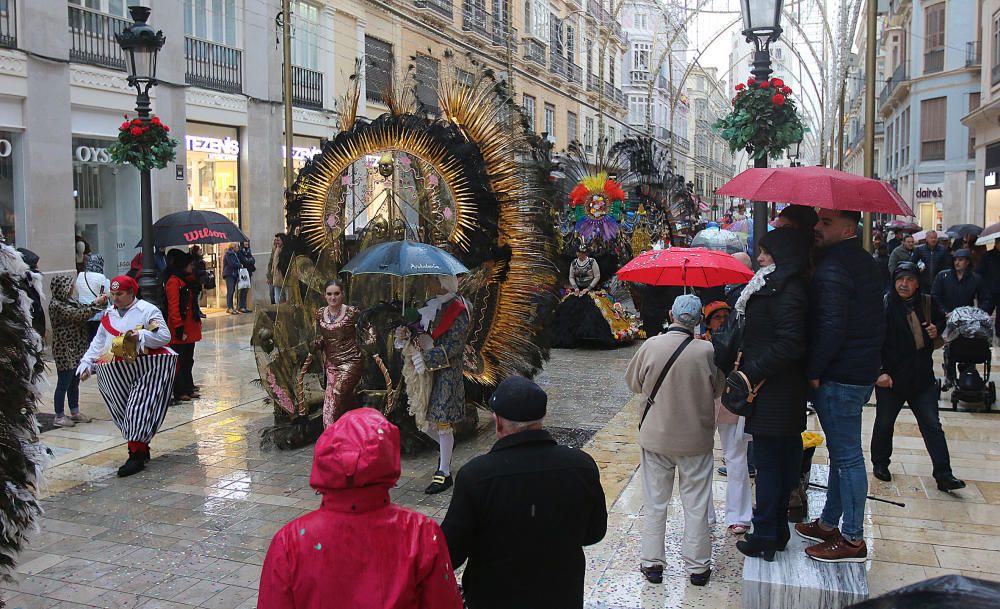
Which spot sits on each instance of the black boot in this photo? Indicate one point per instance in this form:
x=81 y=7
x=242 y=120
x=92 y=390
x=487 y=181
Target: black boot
x=135 y=464
x=882 y=473
x=784 y=534
x=755 y=547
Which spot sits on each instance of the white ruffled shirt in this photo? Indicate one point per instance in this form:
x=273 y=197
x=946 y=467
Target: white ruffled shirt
x=139 y=314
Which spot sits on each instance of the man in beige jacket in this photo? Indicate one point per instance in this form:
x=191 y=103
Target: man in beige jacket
x=677 y=434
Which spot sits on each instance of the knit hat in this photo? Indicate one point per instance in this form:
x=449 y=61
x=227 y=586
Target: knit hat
x=125 y=283
x=905 y=268
x=714 y=307
x=94 y=263
x=519 y=399
x=687 y=310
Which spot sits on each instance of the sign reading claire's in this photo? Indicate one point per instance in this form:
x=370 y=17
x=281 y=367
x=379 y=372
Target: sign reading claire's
x=929 y=192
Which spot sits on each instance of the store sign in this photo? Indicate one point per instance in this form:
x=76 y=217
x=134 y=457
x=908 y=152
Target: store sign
x=92 y=154
x=6 y=148
x=990 y=179
x=933 y=191
x=302 y=153
x=228 y=149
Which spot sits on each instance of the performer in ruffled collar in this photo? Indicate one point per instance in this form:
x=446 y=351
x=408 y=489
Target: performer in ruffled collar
x=135 y=371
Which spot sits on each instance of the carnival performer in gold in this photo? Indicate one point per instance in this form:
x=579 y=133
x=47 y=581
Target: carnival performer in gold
x=337 y=339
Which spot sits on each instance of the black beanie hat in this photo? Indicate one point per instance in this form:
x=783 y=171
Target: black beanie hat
x=519 y=399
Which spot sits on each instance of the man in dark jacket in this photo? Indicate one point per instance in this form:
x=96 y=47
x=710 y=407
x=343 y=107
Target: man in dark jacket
x=845 y=344
x=959 y=287
x=913 y=322
x=522 y=513
x=989 y=269
x=931 y=258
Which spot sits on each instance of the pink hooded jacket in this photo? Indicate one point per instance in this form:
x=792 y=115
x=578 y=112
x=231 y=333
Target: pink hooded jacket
x=358 y=550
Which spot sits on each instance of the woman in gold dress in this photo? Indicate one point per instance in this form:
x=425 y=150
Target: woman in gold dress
x=337 y=338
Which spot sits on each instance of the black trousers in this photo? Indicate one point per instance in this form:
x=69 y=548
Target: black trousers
x=779 y=464
x=184 y=381
x=924 y=406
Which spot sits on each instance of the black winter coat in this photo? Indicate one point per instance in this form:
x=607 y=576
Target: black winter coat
x=521 y=515
x=952 y=292
x=989 y=270
x=912 y=371
x=847 y=321
x=936 y=260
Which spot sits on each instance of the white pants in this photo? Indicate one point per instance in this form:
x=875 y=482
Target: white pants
x=739 y=499
x=695 y=474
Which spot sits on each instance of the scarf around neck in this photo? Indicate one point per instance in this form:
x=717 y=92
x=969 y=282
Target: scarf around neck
x=753 y=286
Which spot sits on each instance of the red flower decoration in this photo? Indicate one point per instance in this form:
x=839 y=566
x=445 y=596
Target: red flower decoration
x=765 y=85
x=125 y=125
x=778 y=99
x=777 y=82
x=136 y=122
x=156 y=120
x=165 y=128
x=786 y=90
x=751 y=82
x=740 y=87
x=136 y=131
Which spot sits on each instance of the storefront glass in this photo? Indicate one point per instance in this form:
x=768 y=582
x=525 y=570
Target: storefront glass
x=107 y=204
x=213 y=184
x=8 y=215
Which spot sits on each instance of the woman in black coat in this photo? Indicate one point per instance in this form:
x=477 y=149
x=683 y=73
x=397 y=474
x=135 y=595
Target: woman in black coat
x=774 y=305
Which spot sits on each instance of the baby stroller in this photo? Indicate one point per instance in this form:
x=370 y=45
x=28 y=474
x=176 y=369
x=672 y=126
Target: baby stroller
x=968 y=341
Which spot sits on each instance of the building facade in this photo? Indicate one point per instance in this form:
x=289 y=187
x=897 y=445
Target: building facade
x=63 y=94
x=932 y=65
x=984 y=121
x=712 y=165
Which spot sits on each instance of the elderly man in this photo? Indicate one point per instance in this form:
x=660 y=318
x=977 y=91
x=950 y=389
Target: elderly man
x=902 y=253
x=845 y=344
x=931 y=258
x=959 y=287
x=680 y=380
x=135 y=369
x=913 y=323
x=522 y=513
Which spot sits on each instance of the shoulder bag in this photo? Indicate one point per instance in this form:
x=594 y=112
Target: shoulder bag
x=663 y=374
x=740 y=393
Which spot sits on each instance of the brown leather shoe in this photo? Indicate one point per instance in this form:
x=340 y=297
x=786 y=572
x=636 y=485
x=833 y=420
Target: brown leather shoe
x=813 y=532
x=838 y=549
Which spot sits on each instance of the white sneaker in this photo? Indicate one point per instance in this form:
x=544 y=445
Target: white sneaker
x=64 y=422
x=80 y=418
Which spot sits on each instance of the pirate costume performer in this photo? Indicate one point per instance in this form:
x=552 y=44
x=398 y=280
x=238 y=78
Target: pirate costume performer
x=135 y=371
x=432 y=368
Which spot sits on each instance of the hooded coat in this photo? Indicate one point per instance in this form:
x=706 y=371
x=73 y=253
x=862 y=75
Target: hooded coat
x=358 y=549
x=69 y=324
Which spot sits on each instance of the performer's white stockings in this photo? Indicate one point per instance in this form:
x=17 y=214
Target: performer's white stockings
x=446 y=439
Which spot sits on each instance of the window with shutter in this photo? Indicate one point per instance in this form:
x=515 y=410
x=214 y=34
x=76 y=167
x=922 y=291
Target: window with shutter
x=426 y=77
x=934 y=38
x=933 y=128
x=378 y=68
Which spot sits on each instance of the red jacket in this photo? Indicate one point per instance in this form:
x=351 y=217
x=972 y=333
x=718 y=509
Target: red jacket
x=358 y=550
x=190 y=321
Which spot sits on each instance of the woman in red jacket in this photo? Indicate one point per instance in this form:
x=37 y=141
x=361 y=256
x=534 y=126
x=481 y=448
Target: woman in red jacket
x=184 y=321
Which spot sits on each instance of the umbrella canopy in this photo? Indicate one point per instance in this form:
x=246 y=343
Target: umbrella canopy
x=989 y=234
x=194 y=226
x=903 y=226
x=740 y=226
x=404 y=259
x=721 y=240
x=816 y=187
x=966 y=230
x=682 y=266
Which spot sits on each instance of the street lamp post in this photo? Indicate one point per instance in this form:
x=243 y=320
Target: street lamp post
x=793 y=154
x=761 y=27
x=141 y=44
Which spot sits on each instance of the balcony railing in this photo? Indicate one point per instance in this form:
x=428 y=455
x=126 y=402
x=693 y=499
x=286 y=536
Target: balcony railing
x=933 y=61
x=593 y=83
x=640 y=76
x=92 y=38
x=900 y=74
x=619 y=97
x=995 y=75
x=500 y=35
x=534 y=51
x=213 y=66
x=442 y=7
x=973 y=54
x=8 y=24
x=307 y=88
x=557 y=64
x=575 y=73
x=594 y=8
x=475 y=19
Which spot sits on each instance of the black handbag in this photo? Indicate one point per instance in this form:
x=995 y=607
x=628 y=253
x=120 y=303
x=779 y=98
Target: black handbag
x=740 y=393
x=673 y=358
x=727 y=341
x=208 y=280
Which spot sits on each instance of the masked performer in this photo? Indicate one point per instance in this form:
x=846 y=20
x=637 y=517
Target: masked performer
x=135 y=371
x=338 y=340
x=432 y=367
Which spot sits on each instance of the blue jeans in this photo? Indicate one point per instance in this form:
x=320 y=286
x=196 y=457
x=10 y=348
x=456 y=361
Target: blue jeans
x=67 y=386
x=230 y=291
x=839 y=409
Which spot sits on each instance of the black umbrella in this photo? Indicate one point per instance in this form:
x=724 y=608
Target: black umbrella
x=194 y=226
x=965 y=230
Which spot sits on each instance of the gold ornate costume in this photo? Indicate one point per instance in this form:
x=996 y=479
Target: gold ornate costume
x=342 y=362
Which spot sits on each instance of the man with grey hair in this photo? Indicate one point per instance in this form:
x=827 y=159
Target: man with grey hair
x=522 y=513
x=680 y=381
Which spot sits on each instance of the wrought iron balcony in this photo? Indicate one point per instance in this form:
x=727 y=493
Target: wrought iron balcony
x=900 y=74
x=534 y=51
x=442 y=7
x=92 y=38
x=933 y=61
x=593 y=83
x=500 y=33
x=213 y=66
x=8 y=24
x=475 y=19
x=973 y=54
x=557 y=64
x=575 y=73
x=307 y=88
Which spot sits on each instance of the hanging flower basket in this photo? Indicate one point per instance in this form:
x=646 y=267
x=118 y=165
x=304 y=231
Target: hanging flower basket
x=143 y=145
x=764 y=120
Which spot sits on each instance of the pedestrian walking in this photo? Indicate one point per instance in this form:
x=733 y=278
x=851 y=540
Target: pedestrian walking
x=913 y=325
x=359 y=549
x=845 y=343
x=931 y=258
x=521 y=513
x=897 y=239
x=69 y=342
x=135 y=371
x=902 y=253
x=989 y=270
x=277 y=267
x=231 y=268
x=954 y=288
x=91 y=283
x=249 y=264
x=774 y=307
x=184 y=321
x=680 y=380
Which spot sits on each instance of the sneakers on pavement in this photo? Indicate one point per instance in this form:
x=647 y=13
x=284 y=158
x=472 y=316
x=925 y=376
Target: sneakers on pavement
x=63 y=421
x=813 y=532
x=838 y=549
x=80 y=418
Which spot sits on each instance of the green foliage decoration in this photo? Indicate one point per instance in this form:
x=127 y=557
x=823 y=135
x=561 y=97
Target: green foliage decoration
x=764 y=120
x=144 y=145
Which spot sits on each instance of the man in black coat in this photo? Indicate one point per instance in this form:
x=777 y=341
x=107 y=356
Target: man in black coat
x=845 y=344
x=959 y=287
x=989 y=269
x=522 y=513
x=931 y=258
x=913 y=323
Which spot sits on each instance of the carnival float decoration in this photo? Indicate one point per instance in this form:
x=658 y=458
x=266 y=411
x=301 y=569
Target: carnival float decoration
x=443 y=171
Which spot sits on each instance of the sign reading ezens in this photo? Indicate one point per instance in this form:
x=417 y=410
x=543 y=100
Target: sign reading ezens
x=228 y=149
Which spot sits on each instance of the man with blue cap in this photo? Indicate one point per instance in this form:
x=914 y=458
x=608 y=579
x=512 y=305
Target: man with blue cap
x=522 y=513
x=958 y=287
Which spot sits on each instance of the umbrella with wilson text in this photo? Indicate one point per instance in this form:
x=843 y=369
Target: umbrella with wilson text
x=195 y=226
x=683 y=266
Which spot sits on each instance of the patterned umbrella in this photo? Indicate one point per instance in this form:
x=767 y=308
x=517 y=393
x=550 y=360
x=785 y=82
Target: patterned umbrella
x=683 y=266
x=721 y=240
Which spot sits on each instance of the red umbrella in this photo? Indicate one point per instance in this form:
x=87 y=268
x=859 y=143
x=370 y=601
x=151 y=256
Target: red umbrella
x=903 y=226
x=682 y=266
x=817 y=187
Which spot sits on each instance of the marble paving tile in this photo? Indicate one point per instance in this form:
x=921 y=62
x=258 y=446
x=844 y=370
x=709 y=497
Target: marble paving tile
x=968 y=559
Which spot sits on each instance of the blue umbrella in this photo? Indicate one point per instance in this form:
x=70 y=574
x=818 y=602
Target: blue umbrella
x=403 y=259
